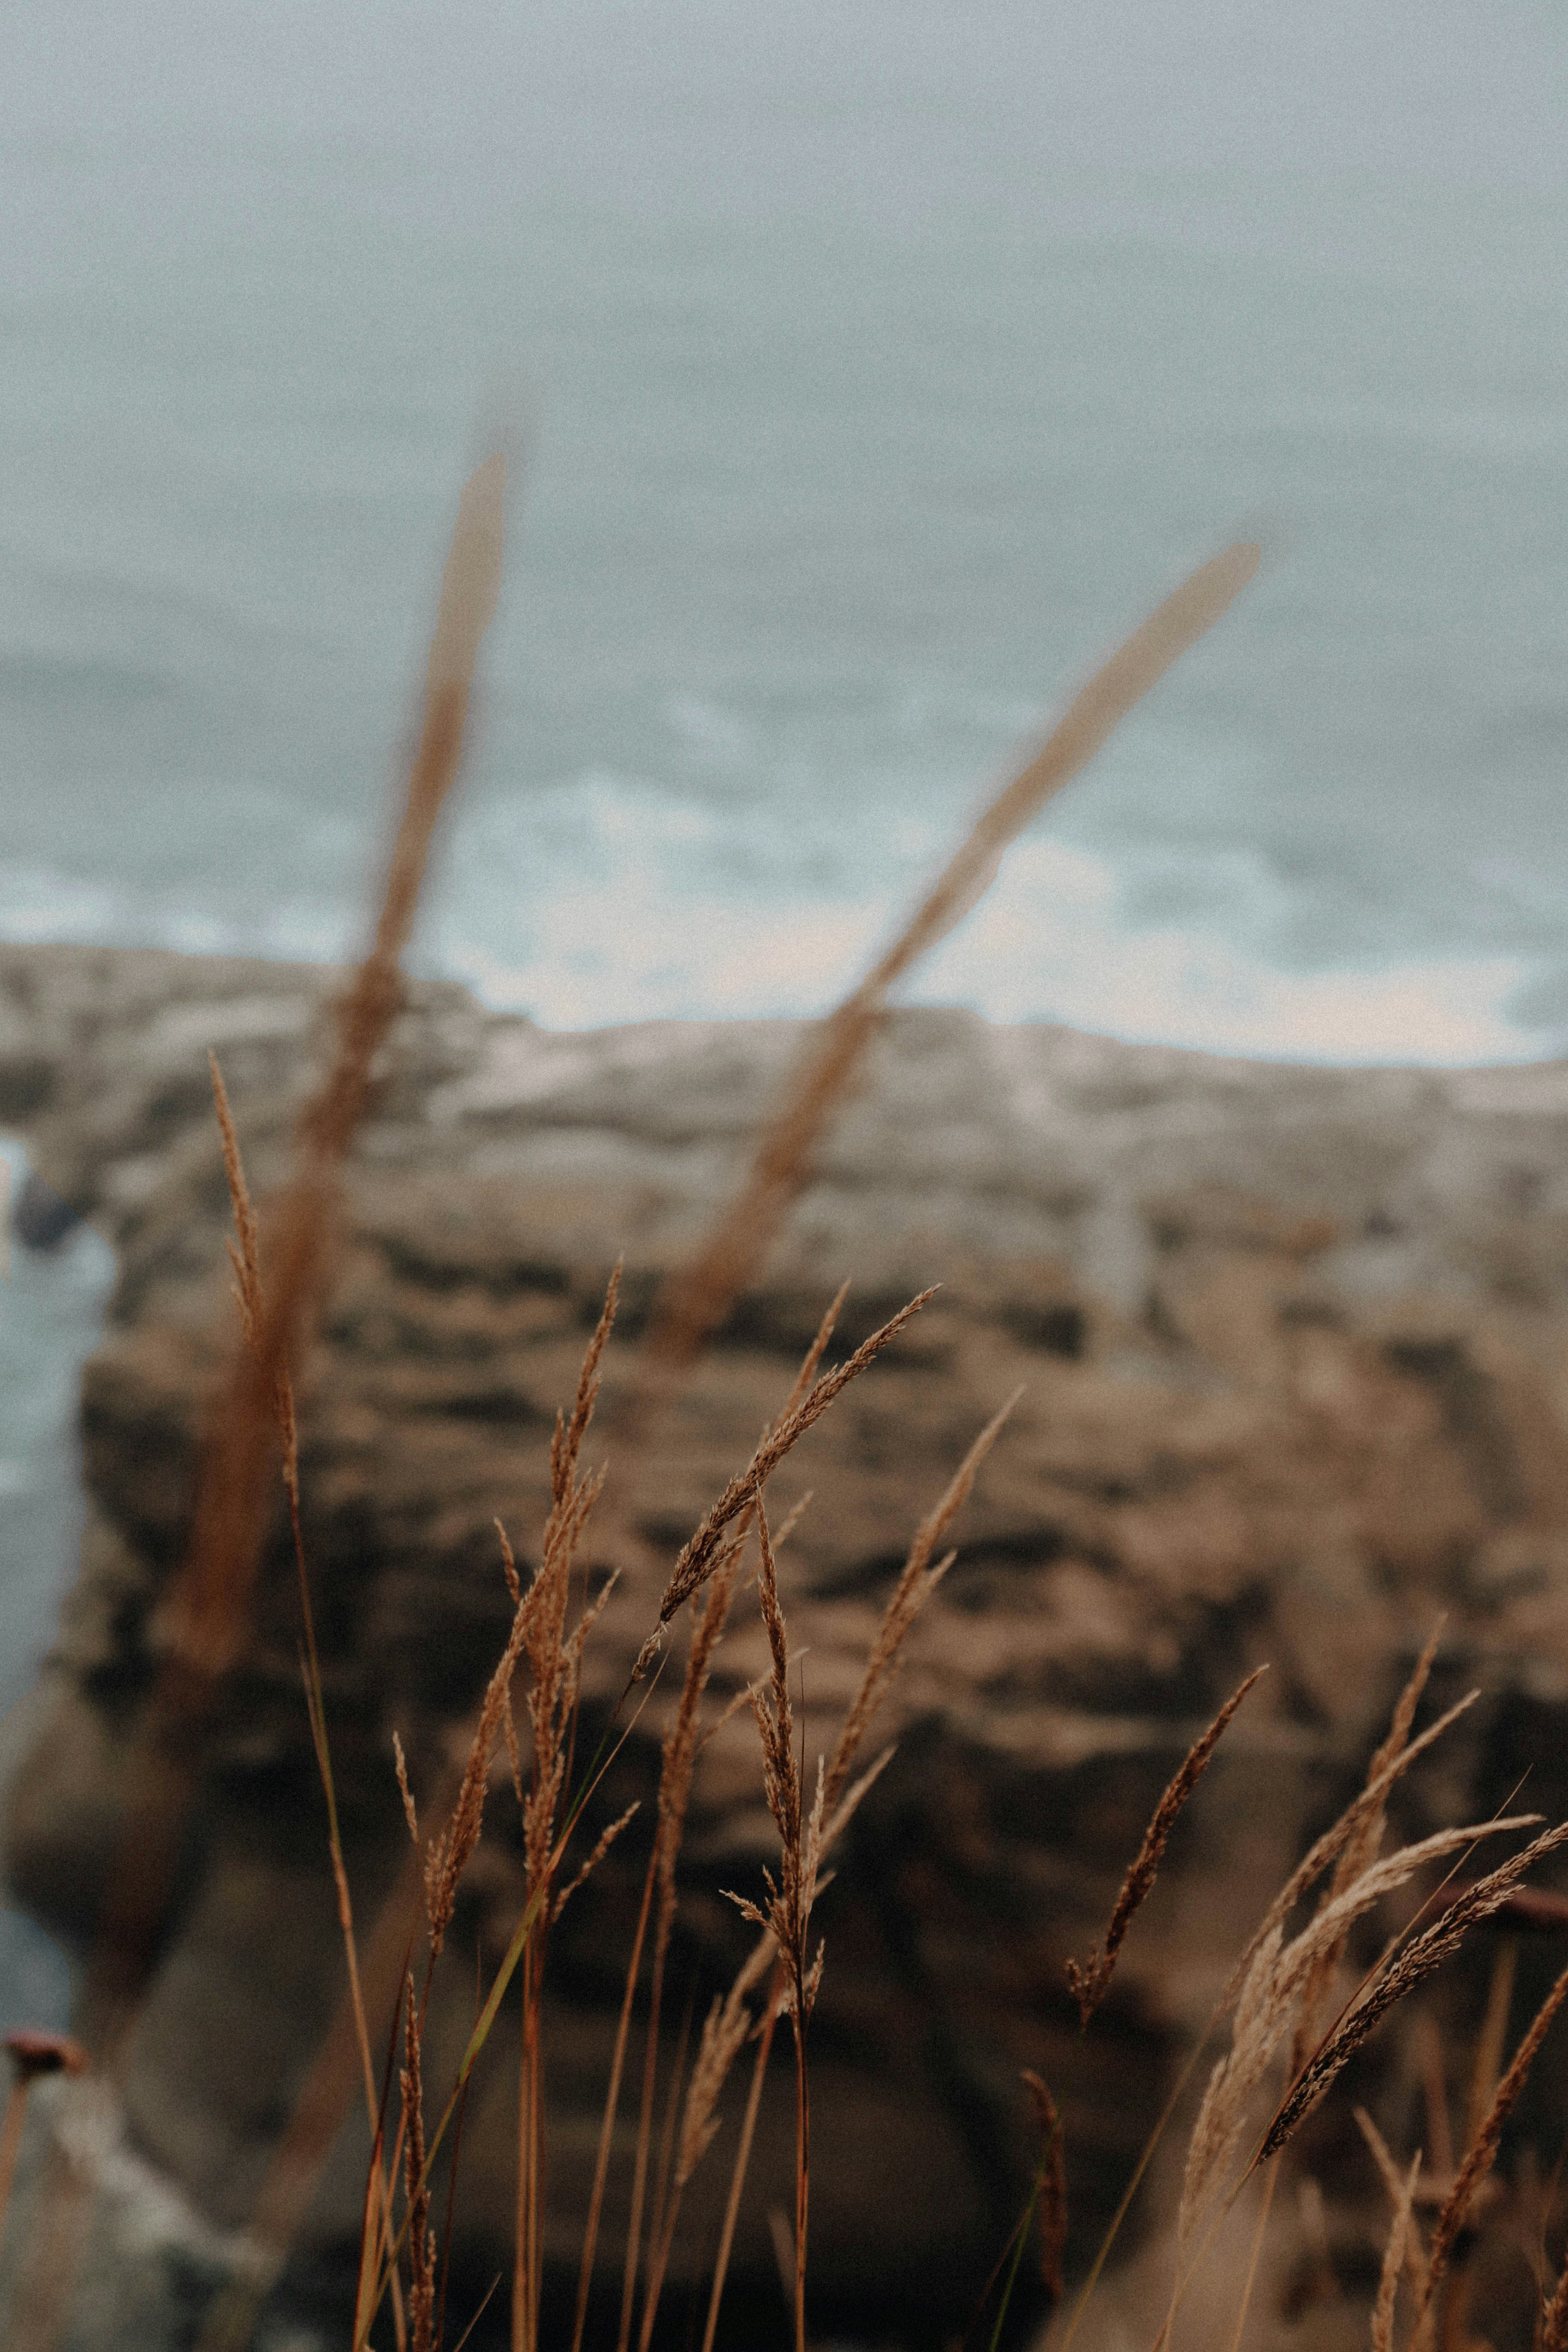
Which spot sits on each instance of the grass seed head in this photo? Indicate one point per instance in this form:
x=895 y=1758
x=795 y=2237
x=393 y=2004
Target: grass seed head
x=1089 y=1983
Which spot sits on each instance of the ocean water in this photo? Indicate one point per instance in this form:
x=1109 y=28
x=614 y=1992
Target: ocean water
x=877 y=368
x=870 y=399
x=51 y=1308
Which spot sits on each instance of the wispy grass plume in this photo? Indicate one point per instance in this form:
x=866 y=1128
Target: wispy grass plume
x=1089 y=1983
x=695 y=1299
x=699 y=1555
x=206 y=1611
x=1402 y=1974
x=1366 y=1835
x=1270 y=1995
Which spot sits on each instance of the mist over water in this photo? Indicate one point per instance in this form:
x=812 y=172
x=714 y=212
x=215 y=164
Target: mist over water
x=879 y=377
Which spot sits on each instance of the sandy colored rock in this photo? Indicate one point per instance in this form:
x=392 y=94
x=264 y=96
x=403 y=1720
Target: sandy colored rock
x=1293 y=1347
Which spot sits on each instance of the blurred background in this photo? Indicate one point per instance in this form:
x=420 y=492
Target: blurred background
x=882 y=366
x=879 y=368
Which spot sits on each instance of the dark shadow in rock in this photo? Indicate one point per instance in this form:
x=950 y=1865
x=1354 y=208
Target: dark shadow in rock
x=40 y=1219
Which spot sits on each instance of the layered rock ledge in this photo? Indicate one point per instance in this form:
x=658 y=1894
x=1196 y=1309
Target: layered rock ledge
x=1293 y=1347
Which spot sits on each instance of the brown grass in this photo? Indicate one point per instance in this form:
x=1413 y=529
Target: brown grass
x=541 y=1646
x=1553 y=2335
x=1052 y=2184
x=550 y=1655
x=1285 y=1983
x=697 y=1298
x=1270 y=2001
x=1400 y=1978
x=1362 y=1843
x=1394 y=2257
x=1481 y=2153
x=1089 y=1983
x=677 y=1763
x=698 y=1556
x=207 y=1608
x=421 y=2237
x=206 y=1613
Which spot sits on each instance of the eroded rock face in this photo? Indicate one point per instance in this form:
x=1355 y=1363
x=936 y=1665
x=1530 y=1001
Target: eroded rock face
x=1293 y=1347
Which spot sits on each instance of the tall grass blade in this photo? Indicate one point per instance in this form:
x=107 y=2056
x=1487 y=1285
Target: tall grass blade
x=697 y=1298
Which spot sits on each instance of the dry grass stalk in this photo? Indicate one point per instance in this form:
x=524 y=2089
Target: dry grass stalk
x=1268 y=2003
x=917 y=1579
x=679 y=1756
x=601 y=1847
x=1361 y=1845
x=1276 y=1984
x=673 y=2103
x=1553 y=2330
x=811 y=1362
x=1482 y=2151
x=682 y=1747
x=788 y=1911
x=697 y=1556
x=726 y=2029
x=245 y=1259
x=1415 y=2254
x=448 y=1853
x=1486 y=2070
x=677 y=1765
x=1089 y=1983
x=771 y=2009
x=207 y=1612
x=1368 y=1803
x=1052 y=2184
x=1394 y=2257
x=1216 y=2135
x=421 y=2237
x=245 y=1250
x=805 y=1835
x=317 y=2117
x=538 y=1637
x=607 y=2125
x=207 y=1607
x=697 y=1299
x=540 y=1642
x=553 y=1658
x=1400 y=1976
x=410 y=1811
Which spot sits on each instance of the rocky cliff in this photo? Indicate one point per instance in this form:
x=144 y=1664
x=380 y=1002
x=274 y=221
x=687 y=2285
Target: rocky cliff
x=1293 y=1347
